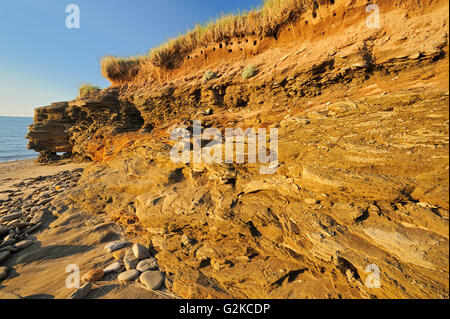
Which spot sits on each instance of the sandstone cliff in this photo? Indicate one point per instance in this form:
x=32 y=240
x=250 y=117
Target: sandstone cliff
x=362 y=177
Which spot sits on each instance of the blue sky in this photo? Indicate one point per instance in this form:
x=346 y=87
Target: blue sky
x=42 y=61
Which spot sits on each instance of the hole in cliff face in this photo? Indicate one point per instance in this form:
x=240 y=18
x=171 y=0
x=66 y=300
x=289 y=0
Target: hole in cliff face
x=176 y=176
x=343 y=265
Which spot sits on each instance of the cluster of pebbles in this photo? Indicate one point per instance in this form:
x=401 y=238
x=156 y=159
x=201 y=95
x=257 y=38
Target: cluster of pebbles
x=22 y=213
x=132 y=264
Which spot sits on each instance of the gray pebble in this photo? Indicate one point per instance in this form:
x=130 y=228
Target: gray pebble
x=140 y=251
x=129 y=275
x=81 y=292
x=116 y=245
x=146 y=264
x=152 y=279
x=130 y=261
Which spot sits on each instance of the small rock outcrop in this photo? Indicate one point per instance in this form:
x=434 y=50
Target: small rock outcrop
x=65 y=127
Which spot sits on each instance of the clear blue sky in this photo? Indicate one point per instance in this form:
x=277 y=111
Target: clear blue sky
x=42 y=61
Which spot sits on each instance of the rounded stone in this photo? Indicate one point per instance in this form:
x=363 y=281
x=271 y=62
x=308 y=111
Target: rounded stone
x=115 y=267
x=116 y=245
x=4 y=255
x=153 y=280
x=146 y=264
x=93 y=275
x=140 y=251
x=130 y=261
x=81 y=292
x=129 y=275
x=24 y=244
x=3 y=272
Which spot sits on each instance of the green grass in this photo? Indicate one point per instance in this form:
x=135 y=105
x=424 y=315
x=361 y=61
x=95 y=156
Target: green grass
x=249 y=72
x=87 y=89
x=209 y=75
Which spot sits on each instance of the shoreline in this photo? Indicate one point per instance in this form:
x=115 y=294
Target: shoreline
x=19 y=160
x=52 y=233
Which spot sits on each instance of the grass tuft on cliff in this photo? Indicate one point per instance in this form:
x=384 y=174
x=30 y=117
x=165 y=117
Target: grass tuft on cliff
x=264 y=21
x=87 y=89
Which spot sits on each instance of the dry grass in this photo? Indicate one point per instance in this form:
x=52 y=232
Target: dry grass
x=87 y=89
x=265 y=21
x=120 y=69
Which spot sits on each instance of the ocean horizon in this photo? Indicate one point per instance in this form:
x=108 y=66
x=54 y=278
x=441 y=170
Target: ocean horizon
x=13 y=144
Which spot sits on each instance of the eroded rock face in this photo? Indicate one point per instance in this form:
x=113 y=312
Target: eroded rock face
x=362 y=181
x=65 y=127
x=365 y=184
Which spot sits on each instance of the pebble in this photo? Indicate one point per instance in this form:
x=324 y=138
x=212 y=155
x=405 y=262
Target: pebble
x=9 y=248
x=24 y=244
x=129 y=275
x=81 y=292
x=3 y=230
x=115 y=267
x=130 y=261
x=93 y=275
x=43 y=202
x=10 y=217
x=146 y=264
x=3 y=272
x=7 y=243
x=9 y=237
x=33 y=228
x=4 y=255
x=116 y=245
x=152 y=279
x=140 y=251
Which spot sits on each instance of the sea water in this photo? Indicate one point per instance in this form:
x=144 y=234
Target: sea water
x=13 y=144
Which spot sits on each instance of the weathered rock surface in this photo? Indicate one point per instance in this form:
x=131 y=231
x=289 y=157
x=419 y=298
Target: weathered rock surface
x=130 y=261
x=361 y=181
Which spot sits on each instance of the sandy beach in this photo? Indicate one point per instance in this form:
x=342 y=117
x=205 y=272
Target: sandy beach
x=66 y=236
